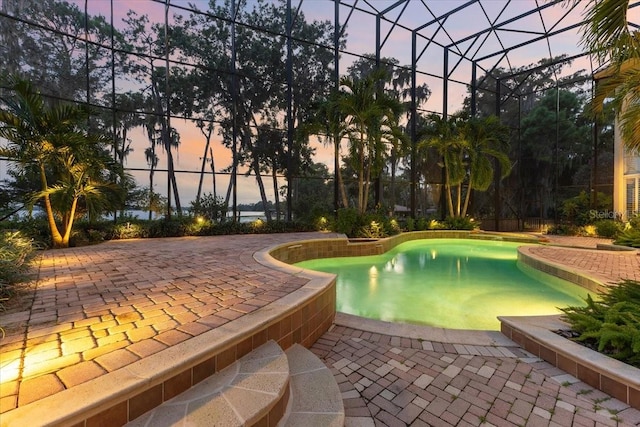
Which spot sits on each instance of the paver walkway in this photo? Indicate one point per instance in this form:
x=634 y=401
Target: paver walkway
x=95 y=309
x=393 y=381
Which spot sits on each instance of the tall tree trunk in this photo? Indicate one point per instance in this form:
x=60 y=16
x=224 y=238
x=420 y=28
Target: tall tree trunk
x=227 y=198
x=56 y=237
x=124 y=149
x=367 y=184
x=69 y=226
x=392 y=185
x=447 y=186
x=213 y=174
x=172 y=174
x=151 y=171
x=343 y=189
x=204 y=161
x=166 y=140
x=275 y=191
x=361 y=176
x=263 y=194
x=467 y=198
x=338 y=173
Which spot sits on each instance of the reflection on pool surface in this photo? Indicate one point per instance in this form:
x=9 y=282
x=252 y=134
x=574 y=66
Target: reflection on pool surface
x=450 y=283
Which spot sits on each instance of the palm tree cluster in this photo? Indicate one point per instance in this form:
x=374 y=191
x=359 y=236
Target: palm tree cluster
x=51 y=141
x=471 y=150
x=368 y=116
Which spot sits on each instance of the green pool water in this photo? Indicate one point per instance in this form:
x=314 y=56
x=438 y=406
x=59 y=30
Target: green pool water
x=450 y=283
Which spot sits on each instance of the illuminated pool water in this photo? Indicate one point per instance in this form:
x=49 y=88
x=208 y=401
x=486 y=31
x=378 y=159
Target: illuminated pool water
x=450 y=283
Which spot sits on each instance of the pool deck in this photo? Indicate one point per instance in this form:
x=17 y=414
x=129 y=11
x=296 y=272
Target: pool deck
x=95 y=309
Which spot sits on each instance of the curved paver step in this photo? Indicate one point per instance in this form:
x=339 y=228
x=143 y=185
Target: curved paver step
x=252 y=390
x=315 y=399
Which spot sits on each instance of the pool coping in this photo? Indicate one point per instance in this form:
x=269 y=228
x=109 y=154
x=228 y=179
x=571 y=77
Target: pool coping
x=302 y=250
x=537 y=335
x=424 y=332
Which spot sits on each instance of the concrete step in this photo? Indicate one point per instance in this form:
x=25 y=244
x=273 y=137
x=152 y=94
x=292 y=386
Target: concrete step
x=253 y=390
x=315 y=399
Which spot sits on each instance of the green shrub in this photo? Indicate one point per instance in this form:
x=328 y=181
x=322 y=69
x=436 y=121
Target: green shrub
x=608 y=228
x=564 y=230
x=459 y=223
x=174 y=227
x=372 y=230
x=428 y=223
x=630 y=237
x=16 y=254
x=198 y=226
x=323 y=223
x=422 y=224
x=411 y=224
x=611 y=324
x=434 y=224
x=392 y=226
x=347 y=221
x=229 y=227
x=130 y=230
x=578 y=210
x=35 y=229
x=211 y=208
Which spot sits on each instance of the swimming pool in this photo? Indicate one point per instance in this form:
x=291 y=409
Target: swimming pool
x=450 y=283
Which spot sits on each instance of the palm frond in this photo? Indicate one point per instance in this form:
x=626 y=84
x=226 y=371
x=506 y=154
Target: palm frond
x=607 y=31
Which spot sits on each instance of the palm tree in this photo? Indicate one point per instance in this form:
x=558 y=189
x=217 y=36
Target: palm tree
x=467 y=148
x=443 y=136
x=606 y=33
x=49 y=139
x=81 y=182
x=486 y=140
x=371 y=116
x=330 y=118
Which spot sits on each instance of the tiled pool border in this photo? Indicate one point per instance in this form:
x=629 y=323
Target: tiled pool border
x=570 y=275
x=294 y=252
x=536 y=335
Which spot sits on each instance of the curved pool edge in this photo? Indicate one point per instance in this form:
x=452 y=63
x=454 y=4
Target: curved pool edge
x=425 y=333
x=572 y=275
x=283 y=256
x=303 y=250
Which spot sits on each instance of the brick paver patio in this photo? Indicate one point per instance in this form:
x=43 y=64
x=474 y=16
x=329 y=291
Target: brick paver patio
x=95 y=309
x=393 y=381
